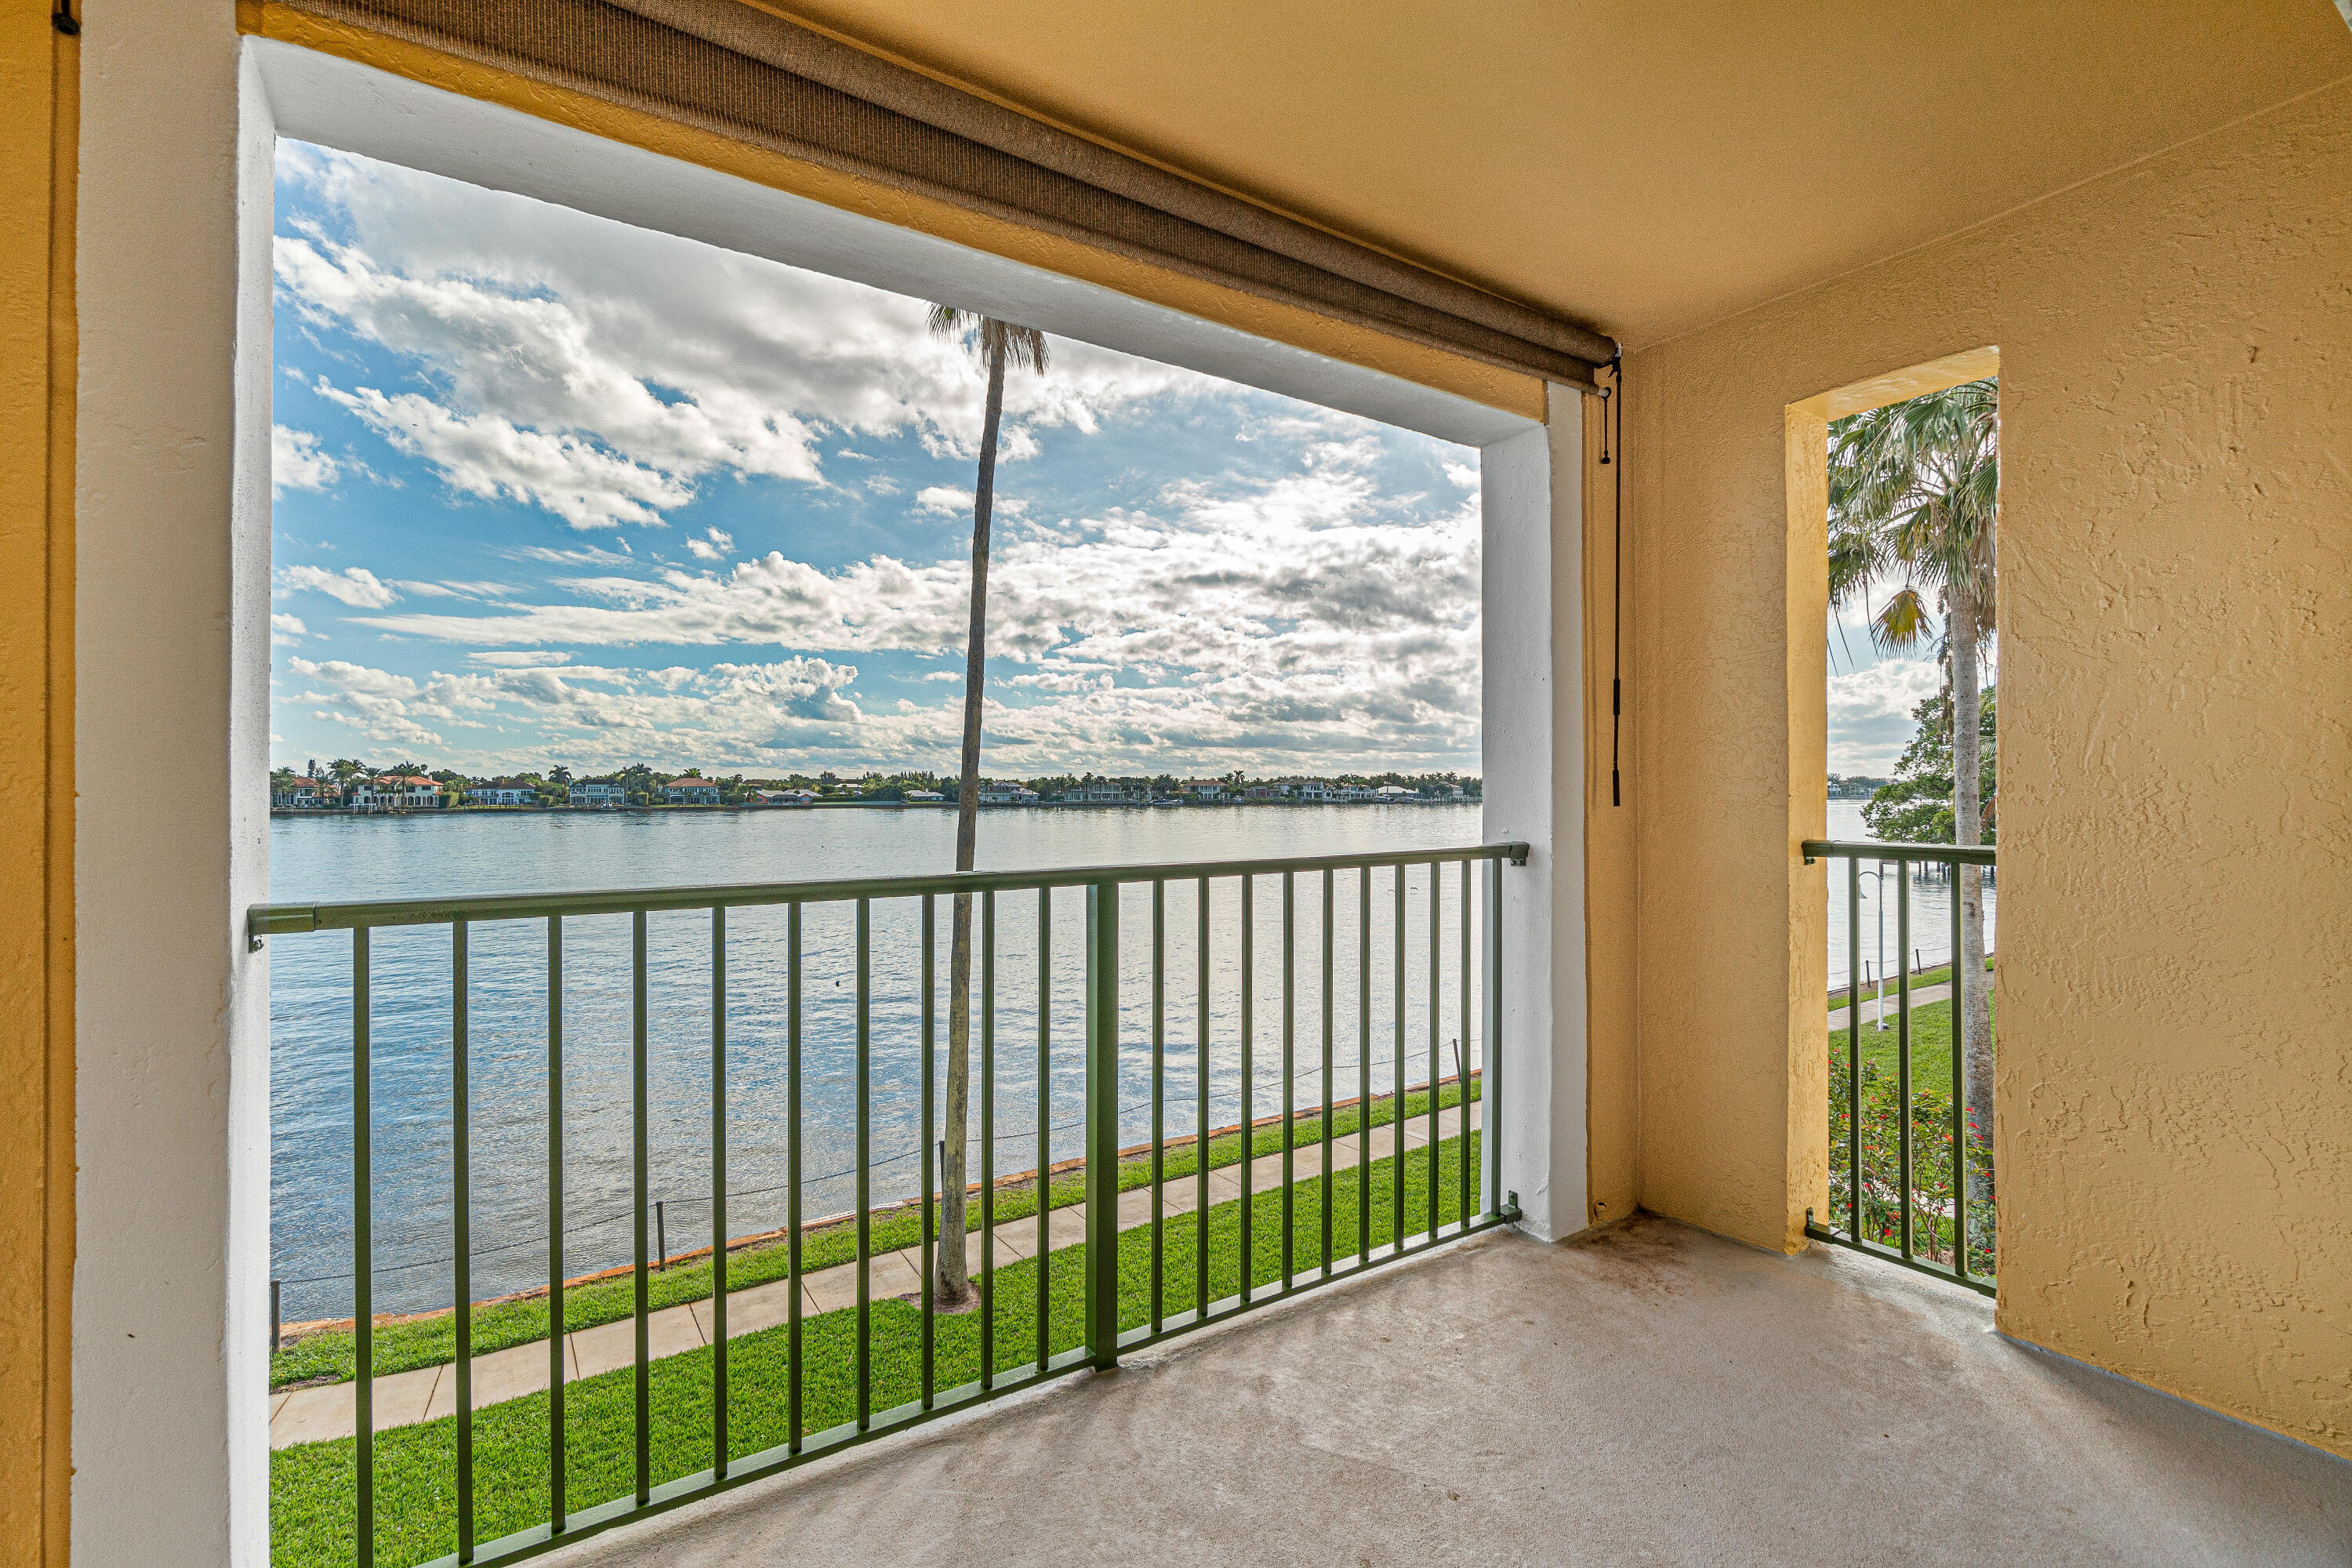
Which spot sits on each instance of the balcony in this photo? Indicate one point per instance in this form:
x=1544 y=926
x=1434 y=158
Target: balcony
x=1651 y=1395
x=1413 y=1382
x=1260 y=1021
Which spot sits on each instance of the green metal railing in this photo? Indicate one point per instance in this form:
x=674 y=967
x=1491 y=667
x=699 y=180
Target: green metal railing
x=1104 y=1339
x=1904 y=1230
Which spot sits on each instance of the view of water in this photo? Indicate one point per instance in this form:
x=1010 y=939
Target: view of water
x=337 y=858
x=1931 y=909
x=334 y=859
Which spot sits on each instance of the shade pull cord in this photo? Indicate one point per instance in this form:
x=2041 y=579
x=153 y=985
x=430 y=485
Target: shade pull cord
x=1610 y=403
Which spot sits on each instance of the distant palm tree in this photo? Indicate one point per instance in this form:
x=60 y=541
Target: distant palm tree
x=995 y=344
x=1914 y=491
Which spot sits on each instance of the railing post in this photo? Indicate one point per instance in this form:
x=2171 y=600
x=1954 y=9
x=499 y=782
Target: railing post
x=1492 y=1198
x=1102 y=1123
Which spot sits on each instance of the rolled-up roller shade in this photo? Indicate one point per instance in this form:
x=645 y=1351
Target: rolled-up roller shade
x=727 y=67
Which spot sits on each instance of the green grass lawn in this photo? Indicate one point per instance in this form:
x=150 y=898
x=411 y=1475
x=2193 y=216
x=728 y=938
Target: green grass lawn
x=332 y=1356
x=1939 y=975
x=312 y=1510
x=1931 y=1044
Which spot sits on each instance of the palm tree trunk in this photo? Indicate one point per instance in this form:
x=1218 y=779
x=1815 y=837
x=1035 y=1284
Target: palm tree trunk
x=954 y=1280
x=1974 y=995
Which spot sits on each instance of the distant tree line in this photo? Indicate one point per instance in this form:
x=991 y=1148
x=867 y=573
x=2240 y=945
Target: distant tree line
x=644 y=784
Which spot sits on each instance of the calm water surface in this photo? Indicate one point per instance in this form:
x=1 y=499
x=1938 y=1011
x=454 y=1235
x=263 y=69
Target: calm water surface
x=341 y=858
x=1882 y=946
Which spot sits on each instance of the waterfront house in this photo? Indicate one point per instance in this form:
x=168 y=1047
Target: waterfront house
x=397 y=792
x=691 y=792
x=597 y=795
x=1740 y=223
x=922 y=795
x=1001 y=792
x=296 y=795
x=502 y=792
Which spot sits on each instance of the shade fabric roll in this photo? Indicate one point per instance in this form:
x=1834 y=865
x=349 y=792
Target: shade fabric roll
x=731 y=67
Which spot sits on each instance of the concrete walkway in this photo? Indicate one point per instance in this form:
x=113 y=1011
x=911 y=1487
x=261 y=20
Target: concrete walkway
x=1920 y=996
x=1651 y=1395
x=427 y=1393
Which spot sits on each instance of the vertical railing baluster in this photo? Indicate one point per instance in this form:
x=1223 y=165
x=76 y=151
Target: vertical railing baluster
x=1249 y=1075
x=1159 y=1082
x=792 y=1379
x=557 y=1515
x=1436 y=1024
x=642 y=1278
x=719 y=1190
x=1436 y=1095
x=1289 y=1073
x=362 y=1256
x=461 y=1168
x=988 y=1139
x=1854 y=1046
x=1044 y=1124
x=1959 y=1094
x=1903 y=1043
x=1201 y=1109
x=1462 y=1047
x=1397 y=1126
x=1101 y=1125
x=930 y=1261
x=865 y=1171
x=1324 y=1261
x=1364 y=1066
x=1491 y=1196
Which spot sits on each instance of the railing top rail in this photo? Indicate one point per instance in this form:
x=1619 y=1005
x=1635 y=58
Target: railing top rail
x=266 y=920
x=1869 y=849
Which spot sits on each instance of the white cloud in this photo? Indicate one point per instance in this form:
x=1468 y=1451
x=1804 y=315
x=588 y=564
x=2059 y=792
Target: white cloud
x=601 y=372
x=483 y=454
x=712 y=548
x=945 y=501
x=1870 y=718
x=1462 y=475
x=285 y=631
x=1306 y=616
x=297 y=464
x=354 y=585
x=519 y=658
x=734 y=710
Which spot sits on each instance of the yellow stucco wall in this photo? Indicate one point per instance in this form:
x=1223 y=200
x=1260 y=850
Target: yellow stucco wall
x=37 y=82
x=2174 y=1088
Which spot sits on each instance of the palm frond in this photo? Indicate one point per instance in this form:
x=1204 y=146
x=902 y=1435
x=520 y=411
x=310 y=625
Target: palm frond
x=1915 y=488
x=986 y=338
x=1902 y=623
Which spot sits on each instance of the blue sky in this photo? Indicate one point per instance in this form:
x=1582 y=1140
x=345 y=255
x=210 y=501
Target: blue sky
x=1871 y=694
x=552 y=490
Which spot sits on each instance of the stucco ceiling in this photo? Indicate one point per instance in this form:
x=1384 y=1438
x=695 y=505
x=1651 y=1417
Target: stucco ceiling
x=1643 y=167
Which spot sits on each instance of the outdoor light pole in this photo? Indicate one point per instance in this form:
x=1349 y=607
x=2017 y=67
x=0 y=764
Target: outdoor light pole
x=1878 y=898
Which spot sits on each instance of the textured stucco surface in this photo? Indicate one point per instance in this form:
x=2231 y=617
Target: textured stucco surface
x=2175 y=1090
x=1652 y=1395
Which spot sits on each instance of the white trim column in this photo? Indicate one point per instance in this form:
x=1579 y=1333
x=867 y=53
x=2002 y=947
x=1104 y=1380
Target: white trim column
x=1532 y=492
x=171 y=735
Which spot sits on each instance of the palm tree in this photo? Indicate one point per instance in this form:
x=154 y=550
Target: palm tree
x=1914 y=495
x=995 y=344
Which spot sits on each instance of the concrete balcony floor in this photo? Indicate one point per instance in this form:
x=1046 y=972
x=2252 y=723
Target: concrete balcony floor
x=1652 y=1395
